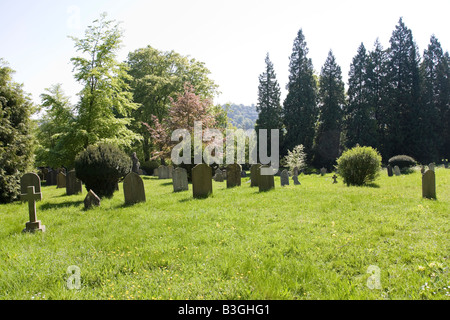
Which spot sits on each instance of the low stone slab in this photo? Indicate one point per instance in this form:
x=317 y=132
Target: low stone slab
x=91 y=200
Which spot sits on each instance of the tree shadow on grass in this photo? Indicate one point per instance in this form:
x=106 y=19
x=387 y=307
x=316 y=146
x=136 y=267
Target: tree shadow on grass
x=49 y=206
x=167 y=183
x=371 y=185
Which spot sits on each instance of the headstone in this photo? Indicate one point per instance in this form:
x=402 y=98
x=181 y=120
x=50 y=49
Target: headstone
x=133 y=189
x=33 y=225
x=429 y=185
x=155 y=172
x=422 y=170
x=163 y=172
x=243 y=174
x=234 y=175
x=284 y=178
x=136 y=163
x=265 y=182
x=91 y=200
x=61 y=180
x=180 y=180
x=201 y=181
x=30 y=179
x=254 y=175
x=334 y=179
x=431 y=166
x=323 y=171
x=295 y=177
x=170 y=169
x=397 y=171
x=51 y=178
x=224 y=173
x=389 y=170
x=73 y=184
x=218 y=177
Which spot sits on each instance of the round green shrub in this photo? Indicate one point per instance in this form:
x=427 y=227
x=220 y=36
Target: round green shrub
x=101 y=166
x=405 y=163
x=150 y=165
x=359 y=166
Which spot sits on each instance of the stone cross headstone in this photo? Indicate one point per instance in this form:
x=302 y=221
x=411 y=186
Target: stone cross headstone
x=431 y=166
x=201 y=181
x=163 y=172
x=254 y=175
x=323 y=171
x=73 y=184
x=334 y=179
x=284 y=178
x=136 y=163
x=429 y=185
x=265 y=182
x=397 y=171
x=133 y=188
x=30 y=179
x=234 y=175
x=91 y=200
x=180 y=180
x=61 y=180
x=389 y=170
x=33 y=225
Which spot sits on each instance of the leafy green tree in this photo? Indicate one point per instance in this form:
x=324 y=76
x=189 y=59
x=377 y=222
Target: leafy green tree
x=16 y=140
x=359 y=121
x=331 y=104
x=105 y=100
x=53 y=131
x=435 y=99
x=300 y=106
x=269 y=105
x=158 y=76
x=403 y=92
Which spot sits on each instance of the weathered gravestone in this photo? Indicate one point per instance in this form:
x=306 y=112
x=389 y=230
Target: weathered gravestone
x=61 y=180
x=180 y=180
x=254 y=175
x=155 y=172
x=284 y=178
x=163 y=172
x=234 y=175
x=136 y=164
x=431 y=166
x=224 y=173
x=429 y=185
x=422 y=170
x=295 y=177
x=389 y=170
x=218 y=177
x=50 y=179
x=323 y=171
x=265 y=182
x=397 y=171
x=133 y=189
x=33 y=225
x=30 y=179
x=201 y=181
x=170 y=169
x=73 y=184
x=91 y=200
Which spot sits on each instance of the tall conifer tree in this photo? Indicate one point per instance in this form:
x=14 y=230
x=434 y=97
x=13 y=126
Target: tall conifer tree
x=300 y=106
x=331 y=103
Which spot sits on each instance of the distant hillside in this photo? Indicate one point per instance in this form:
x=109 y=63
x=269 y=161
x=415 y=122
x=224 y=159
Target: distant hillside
x=242 y=117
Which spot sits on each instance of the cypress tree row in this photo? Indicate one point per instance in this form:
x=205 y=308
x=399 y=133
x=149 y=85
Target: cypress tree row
x=300 y=106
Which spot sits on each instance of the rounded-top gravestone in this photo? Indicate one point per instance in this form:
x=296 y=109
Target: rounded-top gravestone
x=133 y=189
x=201 y=181
x=30 y=179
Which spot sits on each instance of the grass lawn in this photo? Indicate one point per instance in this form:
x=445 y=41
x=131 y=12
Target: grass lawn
x=313 y=241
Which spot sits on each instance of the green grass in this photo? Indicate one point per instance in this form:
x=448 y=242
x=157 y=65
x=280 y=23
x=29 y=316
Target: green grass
x=313 y=241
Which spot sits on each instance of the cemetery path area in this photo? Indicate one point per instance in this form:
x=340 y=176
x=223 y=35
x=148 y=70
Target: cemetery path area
x=317 y=240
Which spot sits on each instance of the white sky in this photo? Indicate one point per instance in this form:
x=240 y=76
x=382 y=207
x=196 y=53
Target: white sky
x=232 y=37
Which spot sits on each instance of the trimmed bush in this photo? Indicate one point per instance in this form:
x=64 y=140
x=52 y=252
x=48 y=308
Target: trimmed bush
x=359 y=166
x=405 y=163
x=101 y=166
x=150 y=166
